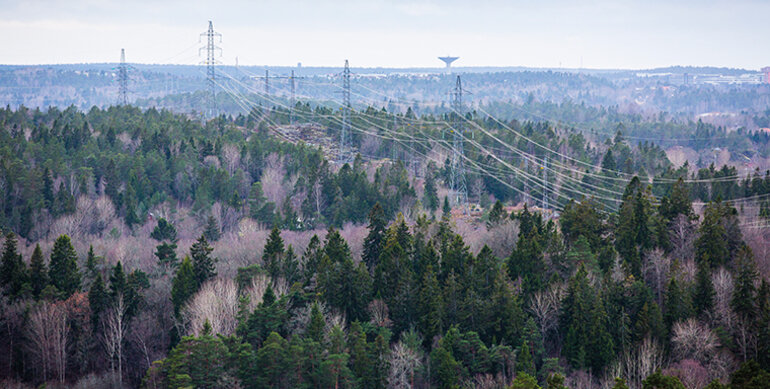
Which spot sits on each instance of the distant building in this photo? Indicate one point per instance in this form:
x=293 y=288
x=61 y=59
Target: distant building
x=766 y=70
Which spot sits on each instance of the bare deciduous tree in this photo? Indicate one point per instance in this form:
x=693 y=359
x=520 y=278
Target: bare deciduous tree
x=656 y=267
x=545 y=306
x=692 y=374
x=636 y=364
x=47 y=334
x=217 y=302
x=403 y=362
x=114 y=324
x=682 y=236
x=723 y=293
x=693 y=340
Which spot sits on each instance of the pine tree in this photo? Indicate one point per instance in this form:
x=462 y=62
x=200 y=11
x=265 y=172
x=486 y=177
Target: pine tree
x=38 y=272
x=63 y=271
x=374 y=240
x=184 y=285
x=204 y=265
x=211 y=232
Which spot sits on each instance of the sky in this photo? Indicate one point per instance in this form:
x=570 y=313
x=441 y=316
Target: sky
x=601 y=34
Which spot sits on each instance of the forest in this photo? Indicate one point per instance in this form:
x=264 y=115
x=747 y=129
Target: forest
x=143 y=248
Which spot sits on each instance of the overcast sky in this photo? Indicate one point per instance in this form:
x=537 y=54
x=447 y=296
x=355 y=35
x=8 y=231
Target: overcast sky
x=401 y=33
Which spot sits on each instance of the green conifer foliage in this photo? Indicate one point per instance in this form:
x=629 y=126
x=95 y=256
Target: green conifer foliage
x=63 y=271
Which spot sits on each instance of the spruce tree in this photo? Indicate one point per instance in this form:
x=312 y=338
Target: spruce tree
x=677 y=303
x=430 y=195
x=184 y=285
x=315 y=327
x=374 y=240
x=211 y=232
x=743 y=299
x=98 y=300
x=166 y=253
x=446 y=210
x=524 y=361
x=13 y=271
x=272 y=256
x=497 y=214
x=203 y=264
x=164 y=231
x=63 y=271
x=430 y=308
x=703 y=295
x=38 y=272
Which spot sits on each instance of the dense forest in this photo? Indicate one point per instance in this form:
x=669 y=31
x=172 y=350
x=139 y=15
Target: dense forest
x=144 y=248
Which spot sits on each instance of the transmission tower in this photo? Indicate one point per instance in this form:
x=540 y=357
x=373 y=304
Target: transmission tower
x=210 y=61
x=344 y=141
x=545 y=183
x=457 y=177
x=123 y=79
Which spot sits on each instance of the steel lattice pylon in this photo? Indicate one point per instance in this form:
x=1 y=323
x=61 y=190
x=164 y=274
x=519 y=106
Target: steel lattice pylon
x=210 y=61
x=345 y=133
x=457 y=176
x=123 y=79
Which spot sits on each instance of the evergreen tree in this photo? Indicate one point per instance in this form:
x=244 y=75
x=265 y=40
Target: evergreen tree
x=677 y=303
x=98 y=300
x=431 y=304
x=211 y=232
x=204 y=265
x=13 y=271
x=38 y=272
x=272 y=255
x=446 y=210
x=184 y=285
x=744 y=292
x=703 y=295
x=711 y=246
x=497 y=214
x=430 y=195
x=166 y=253
x=63 y=271
x=524 y=361
x=374 y=240
x=164 y=231
x=315 y=327
x=91 y=264
x=360 y=362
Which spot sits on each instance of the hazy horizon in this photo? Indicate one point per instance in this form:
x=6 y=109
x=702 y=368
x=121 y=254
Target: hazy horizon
x=397 y=34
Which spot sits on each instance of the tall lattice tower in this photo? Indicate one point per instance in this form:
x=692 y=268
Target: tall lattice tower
x=210 y=61
x=457 y=177
x=345 y=134
x=123 y=79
